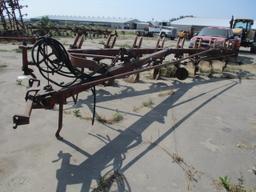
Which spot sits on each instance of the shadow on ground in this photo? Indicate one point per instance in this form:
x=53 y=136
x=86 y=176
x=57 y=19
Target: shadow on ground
x=115 y=150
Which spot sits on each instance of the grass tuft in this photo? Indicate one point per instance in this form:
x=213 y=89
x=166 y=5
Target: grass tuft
x=149 y=103
x=77 y=113
x=229 y=186
x=177 y=158
x=116 y=117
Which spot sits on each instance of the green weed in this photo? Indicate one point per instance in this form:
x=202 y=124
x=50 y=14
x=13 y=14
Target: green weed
x=149 y=103
x=77 y=113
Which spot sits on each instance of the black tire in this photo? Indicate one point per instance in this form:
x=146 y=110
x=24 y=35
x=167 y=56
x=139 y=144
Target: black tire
x=253 y=49
x=181 y=73
x=236 y=52
x=150 y=34
x=162 y=34
x=172 y=38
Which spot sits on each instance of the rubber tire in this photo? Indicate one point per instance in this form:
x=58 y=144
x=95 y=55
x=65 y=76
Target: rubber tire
x=253 y=49
x=181 y=73
x=162 y=34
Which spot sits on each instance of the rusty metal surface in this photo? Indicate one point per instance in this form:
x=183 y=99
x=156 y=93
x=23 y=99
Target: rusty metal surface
x=80 y=30
x=52 y=60
x=30 y=39
x=137 y=41
x=13 y=28
x=12 y=18
x=111 y=40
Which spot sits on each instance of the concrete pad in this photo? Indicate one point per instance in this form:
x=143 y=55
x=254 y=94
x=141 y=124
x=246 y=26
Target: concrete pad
x=185 y=141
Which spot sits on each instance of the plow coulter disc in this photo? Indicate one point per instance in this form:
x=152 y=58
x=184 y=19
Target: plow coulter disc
x=218 y=65
x=212 y=66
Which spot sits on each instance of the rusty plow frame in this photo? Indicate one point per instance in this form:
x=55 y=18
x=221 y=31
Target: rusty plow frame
x=71 y=72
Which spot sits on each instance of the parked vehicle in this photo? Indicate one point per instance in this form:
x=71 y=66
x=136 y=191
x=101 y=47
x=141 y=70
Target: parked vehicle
x=170 y=32
x=215 y=36
x=243 y=29
x=148 y=31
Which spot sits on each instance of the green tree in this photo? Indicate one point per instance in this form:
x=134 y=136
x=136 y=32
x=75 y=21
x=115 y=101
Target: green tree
x=44 y=22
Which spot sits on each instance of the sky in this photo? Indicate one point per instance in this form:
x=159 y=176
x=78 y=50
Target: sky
x=145 y=10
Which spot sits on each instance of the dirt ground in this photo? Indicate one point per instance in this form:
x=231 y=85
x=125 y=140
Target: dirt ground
x=163 y=135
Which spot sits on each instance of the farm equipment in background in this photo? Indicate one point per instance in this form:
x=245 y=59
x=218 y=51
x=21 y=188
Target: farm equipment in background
x=243 y=29
x=12 y=18
x=71 y=72
x=60 y=30
x=14 y=28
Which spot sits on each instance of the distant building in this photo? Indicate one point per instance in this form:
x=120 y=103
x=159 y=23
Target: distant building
x=111 y=22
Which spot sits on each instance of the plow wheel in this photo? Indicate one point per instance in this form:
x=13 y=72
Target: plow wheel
x=181 y=73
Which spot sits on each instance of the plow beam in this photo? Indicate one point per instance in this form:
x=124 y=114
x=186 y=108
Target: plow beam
x=24 y=118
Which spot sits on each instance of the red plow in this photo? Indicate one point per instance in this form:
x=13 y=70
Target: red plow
x=70 y=72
